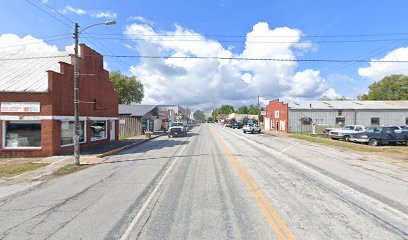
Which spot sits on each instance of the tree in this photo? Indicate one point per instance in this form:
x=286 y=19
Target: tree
x=199 y=116
x=226 y=109
x=242 y=110
x=394 y=87
x=252 y=110
x=129 y=89
x=214 y=114
x=210 y=119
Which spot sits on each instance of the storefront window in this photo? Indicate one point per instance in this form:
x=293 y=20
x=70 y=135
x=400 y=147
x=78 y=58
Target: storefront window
x=67 y=132
x=23 y=134
x=98 y=130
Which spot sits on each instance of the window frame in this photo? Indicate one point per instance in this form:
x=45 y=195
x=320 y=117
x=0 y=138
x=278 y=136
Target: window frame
x=371 y=121
x=71 y=144
x=106 y=130
x=4 y=134
x=306 y=121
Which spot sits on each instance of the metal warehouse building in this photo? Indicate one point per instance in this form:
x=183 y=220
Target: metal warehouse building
x=314 y=116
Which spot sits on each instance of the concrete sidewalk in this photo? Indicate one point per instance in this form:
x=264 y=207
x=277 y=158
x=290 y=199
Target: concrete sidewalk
x=90 y=156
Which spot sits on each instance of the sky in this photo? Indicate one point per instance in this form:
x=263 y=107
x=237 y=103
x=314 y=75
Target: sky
x=207 y=49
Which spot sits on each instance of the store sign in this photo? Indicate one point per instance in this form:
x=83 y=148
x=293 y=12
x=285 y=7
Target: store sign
x=21 y=107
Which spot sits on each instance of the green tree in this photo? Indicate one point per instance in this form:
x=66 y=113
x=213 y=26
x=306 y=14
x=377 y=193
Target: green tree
x=199 y=116
x=210 y=119
x=214 y=114
x=252 y=110
x=226 y=109
x=394 y=87
x=129 y=89
x=242 y=110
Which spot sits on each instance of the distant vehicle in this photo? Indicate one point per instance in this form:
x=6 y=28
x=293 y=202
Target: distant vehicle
x=251 y=129
x=177 y=129
x=227 y=125
x=345 y=132
x=190 y=126
x=381 y=135
x=237 y=125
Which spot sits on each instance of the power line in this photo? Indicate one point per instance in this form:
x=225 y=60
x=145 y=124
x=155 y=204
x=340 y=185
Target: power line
x=49 y=14
x=55 y=10
x=256 y=36
x=34 y=42
x=238 y=41
x=31 y=58
x=257 y=59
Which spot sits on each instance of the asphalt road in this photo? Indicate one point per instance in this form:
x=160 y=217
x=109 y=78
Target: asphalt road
x=217 y=183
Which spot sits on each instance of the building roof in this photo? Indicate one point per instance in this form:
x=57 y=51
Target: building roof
x=136 y=110
x=294 y=104
x=28 y=73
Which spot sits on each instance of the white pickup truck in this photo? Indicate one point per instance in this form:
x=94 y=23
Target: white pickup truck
x=251 y=129
x=345 y=132
x=177 y=129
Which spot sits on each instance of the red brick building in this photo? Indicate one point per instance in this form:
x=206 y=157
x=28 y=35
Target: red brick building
x=37 y=105
x=276 y=117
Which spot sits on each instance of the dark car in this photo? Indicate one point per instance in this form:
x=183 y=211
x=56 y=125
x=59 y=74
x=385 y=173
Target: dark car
x=237 y=125
x=381 y=135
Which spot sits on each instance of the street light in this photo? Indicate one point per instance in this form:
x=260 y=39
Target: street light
x=76 y=86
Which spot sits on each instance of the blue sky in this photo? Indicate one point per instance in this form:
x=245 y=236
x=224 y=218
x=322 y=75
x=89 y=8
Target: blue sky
x=217 y=21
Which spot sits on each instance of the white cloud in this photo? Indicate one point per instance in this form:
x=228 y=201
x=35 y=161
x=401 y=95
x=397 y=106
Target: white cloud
x=377 y=70
x=13 y=44
x=210 y=82
x=92 y=13
x=102 y=14
x=139 y=19
x=68 y=9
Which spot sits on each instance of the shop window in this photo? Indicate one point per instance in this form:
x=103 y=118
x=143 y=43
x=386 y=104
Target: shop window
x=306 y=121
x=21 y=134
x=68 y=131
x=340 y=121
x=277 y=114
x=98 y=130
x=375 y=121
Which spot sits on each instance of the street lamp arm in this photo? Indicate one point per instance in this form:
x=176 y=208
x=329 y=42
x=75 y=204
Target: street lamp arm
x=110 y=22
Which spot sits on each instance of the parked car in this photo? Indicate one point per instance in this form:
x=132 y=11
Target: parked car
x=177 y=129
x=237 y=125
x=251 y=128
x=345 y=132
x=381 y=135
x=404 y=128
x=227 y=125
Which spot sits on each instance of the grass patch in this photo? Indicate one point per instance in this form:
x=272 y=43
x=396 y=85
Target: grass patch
x=124 y=137
x=14 y=169
x=335 y=143
x=70 y=168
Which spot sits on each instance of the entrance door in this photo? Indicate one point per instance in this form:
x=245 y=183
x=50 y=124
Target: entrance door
x=112 y=131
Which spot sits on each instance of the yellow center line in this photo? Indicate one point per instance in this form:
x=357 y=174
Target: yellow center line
x=263 y=204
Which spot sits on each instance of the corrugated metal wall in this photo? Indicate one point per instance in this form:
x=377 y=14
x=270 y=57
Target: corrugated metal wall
x=327 y=118
x=130 y=126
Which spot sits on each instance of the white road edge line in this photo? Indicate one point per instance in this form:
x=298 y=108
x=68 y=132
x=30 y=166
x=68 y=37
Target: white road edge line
x=284 y=150
x=143 y=208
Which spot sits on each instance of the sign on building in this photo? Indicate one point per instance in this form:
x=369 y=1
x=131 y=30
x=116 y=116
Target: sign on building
x=277 y=114
x=22 y=107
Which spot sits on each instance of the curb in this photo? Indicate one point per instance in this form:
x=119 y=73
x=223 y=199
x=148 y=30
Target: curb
x=102 y=155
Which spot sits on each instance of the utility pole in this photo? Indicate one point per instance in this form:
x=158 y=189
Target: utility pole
x=76 y=87
x=76 y=98
x=259 y=124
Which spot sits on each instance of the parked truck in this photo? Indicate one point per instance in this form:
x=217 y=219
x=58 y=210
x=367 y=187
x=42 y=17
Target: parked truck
x=345 y=132
x=381 y=135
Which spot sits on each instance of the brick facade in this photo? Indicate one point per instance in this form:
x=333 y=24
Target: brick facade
x=98 y=101
x=278 y=123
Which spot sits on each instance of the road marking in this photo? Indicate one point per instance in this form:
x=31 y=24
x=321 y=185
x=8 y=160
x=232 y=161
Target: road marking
x=284 y=150
x=152 y=195
x=264 y=205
